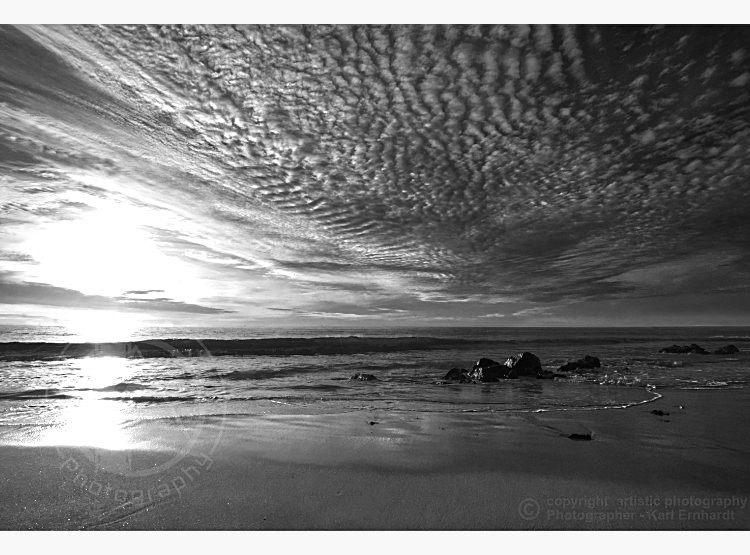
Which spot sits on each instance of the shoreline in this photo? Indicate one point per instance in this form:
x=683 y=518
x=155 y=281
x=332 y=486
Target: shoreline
x=377 y=470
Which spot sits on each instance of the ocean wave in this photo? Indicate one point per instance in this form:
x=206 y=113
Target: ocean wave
x=158 y=399
x=263 y=374
x=610 y=378
x=175 y=348
x=714 y=384
x=120 y=387
x=443 y=406
x=30 y=394
x=183 y=376
x=707 y=387
x=655 y=396
x=310 y=387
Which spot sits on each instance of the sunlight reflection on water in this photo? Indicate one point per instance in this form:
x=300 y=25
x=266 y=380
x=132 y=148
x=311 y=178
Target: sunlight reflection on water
x=93 y=420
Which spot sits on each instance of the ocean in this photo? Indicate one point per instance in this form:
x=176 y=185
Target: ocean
x=308 y=371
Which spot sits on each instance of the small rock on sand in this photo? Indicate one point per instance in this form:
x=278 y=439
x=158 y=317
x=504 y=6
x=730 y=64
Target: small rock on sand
x=580 y=437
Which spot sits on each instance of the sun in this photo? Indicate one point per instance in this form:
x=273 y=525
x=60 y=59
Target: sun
x=100 y=326
x=106 y=251
x=110 y=261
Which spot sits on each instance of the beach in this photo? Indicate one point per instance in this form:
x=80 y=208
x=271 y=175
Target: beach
x=381 y=470
x=374 y=277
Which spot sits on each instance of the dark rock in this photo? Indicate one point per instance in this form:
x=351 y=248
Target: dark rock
x=363 y=377
x=491 y=373
x=487 y=370
x=589 y=362
x=685 y=349
x=546 y=375
x=580 y=437
x=727 y=350
x=659 y=413
x=456 y=374
x=586 y=363
x=484 y=363
x=524 y=364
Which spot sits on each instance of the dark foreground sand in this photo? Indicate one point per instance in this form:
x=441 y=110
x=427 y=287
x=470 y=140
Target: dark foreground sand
x=688 y=470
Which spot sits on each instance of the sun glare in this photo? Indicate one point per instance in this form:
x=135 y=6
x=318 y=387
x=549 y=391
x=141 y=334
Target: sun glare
x=100 y=326
x=107 y=252
x=93 y=420
x=91 y=423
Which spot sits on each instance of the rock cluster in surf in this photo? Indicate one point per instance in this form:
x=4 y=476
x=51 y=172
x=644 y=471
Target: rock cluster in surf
x=524 y=364
x=586 y=363
x=363 y=377
x=694 y=349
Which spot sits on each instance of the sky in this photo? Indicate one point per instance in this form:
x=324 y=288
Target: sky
x=374 y=175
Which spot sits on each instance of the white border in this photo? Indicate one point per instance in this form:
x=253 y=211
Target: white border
x=377 y=11
x=379 y=543
x=380 y=11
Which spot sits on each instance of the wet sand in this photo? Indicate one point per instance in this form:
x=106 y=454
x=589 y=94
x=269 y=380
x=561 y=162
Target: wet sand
x=375 y=470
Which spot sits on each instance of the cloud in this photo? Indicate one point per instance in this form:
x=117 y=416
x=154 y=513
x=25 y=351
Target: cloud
x=532 y=311
x=10 y=256
x=420 y=168
x=47 y=295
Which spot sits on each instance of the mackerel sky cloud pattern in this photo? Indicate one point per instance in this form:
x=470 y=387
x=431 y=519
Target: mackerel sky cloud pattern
x=385 y=174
